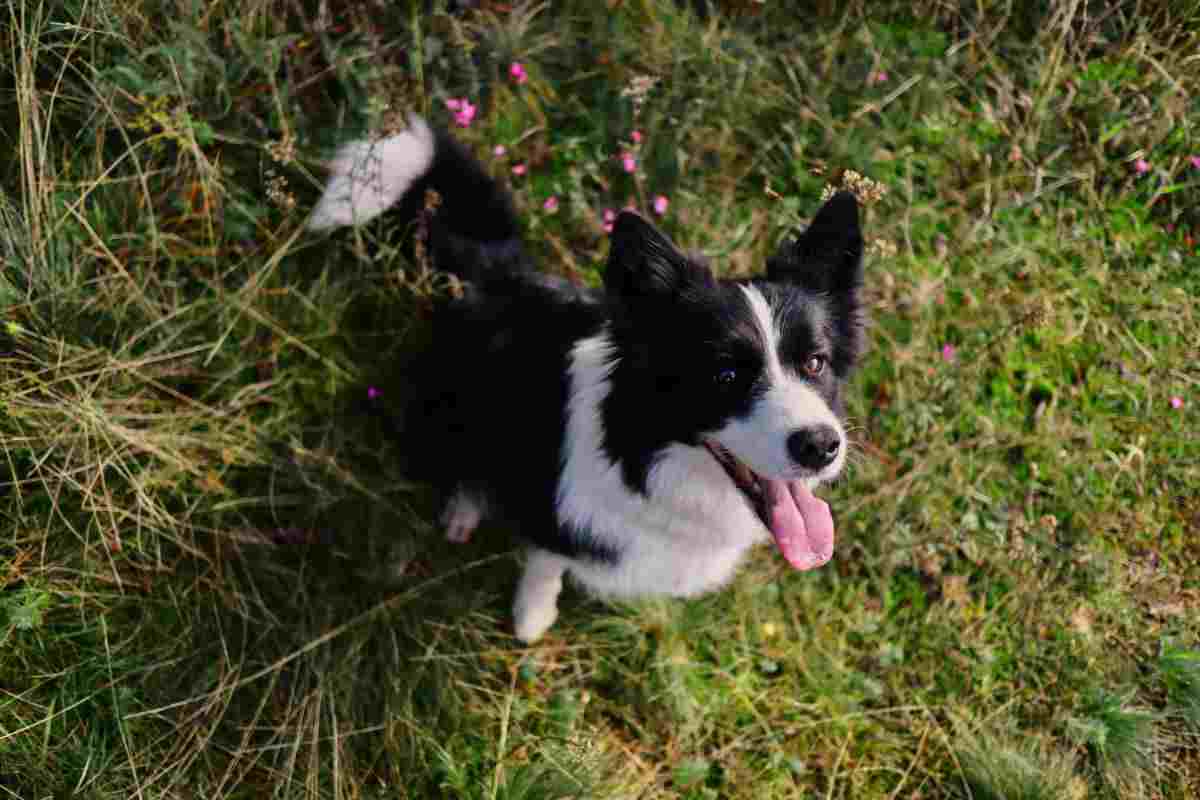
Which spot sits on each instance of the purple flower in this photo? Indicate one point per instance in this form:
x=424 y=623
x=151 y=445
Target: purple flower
x=948 y=353
x=518 y=72
x=660 y=204
x=499 y=151
x=1177 y=402
x=551 y=205
x=373 y=393
x=628 y=162
x=1195 y=161
x=1141 y=166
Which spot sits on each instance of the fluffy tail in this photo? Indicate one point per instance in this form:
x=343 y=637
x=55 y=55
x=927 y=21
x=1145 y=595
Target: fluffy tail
x=474 y=234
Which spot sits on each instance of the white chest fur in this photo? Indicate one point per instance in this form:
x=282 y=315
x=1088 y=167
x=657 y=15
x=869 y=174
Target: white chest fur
x=686 y=537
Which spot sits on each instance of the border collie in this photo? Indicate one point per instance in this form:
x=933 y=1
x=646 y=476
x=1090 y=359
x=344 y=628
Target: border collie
x=642 y=436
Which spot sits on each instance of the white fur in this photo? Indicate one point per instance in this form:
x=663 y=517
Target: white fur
x=685 y=538
x=368 y=176
x=760 y=440
x=536 y=605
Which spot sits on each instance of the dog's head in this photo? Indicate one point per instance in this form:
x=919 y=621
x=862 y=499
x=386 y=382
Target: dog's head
x=753 y=370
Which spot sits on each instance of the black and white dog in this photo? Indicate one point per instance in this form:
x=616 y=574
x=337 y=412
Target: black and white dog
x=642 y=436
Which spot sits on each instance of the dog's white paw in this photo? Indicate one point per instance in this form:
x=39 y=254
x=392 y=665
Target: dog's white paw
x=462 y=516
x=532 y=621
x=536 y=604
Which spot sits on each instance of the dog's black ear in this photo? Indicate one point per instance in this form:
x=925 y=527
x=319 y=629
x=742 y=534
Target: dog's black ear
x=828 y=256
x=644 y=263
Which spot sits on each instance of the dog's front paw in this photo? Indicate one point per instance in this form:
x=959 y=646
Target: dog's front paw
x=536 y=605
x=530 y=622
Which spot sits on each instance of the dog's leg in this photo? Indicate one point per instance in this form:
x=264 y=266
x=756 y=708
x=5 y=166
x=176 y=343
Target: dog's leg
x=536 y=605
x=463 y=513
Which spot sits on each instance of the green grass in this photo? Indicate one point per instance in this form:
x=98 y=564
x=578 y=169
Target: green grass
x=215 y=580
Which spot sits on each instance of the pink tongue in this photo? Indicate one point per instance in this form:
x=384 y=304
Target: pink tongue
x=800 y=522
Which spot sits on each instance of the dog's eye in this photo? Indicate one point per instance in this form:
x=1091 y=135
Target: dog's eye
x=725 y=376
x=814 y=366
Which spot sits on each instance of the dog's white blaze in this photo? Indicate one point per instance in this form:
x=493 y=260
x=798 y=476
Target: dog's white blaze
x=368 y=176
x=760 y=439
x=686 y=537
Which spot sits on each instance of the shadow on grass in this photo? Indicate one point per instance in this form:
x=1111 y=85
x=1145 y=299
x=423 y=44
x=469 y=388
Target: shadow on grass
x=328 y=629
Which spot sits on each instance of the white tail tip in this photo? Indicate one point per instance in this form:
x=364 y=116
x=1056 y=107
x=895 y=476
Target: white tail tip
x=368 y=176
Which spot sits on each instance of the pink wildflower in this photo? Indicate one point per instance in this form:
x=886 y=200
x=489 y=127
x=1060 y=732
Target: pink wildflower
x=518 y=72
x=454 y=104
x=1141 y=166
x=1176 y=402
x=628 y=162
x=636 y=136
x=373 y=393
x=518 y=169
x=551 y=205
x=608 y=226
x=465 y=114
x=879 y=76
x=499 y=151
x=660 y=204
x=1195 y=161
x=609 y=215
x=948 y=353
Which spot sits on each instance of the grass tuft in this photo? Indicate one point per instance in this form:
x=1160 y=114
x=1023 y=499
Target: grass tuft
x=1121 y=740
x=1180 y=672
x=1007 y=767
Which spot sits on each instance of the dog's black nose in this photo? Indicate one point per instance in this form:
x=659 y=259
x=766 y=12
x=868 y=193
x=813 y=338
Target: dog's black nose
x=814 y=447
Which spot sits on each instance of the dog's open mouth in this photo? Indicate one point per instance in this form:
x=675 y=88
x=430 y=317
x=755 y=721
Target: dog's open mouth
x=799 y=520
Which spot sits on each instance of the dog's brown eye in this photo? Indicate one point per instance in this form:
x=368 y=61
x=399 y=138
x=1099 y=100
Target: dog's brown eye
x=814 y=366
